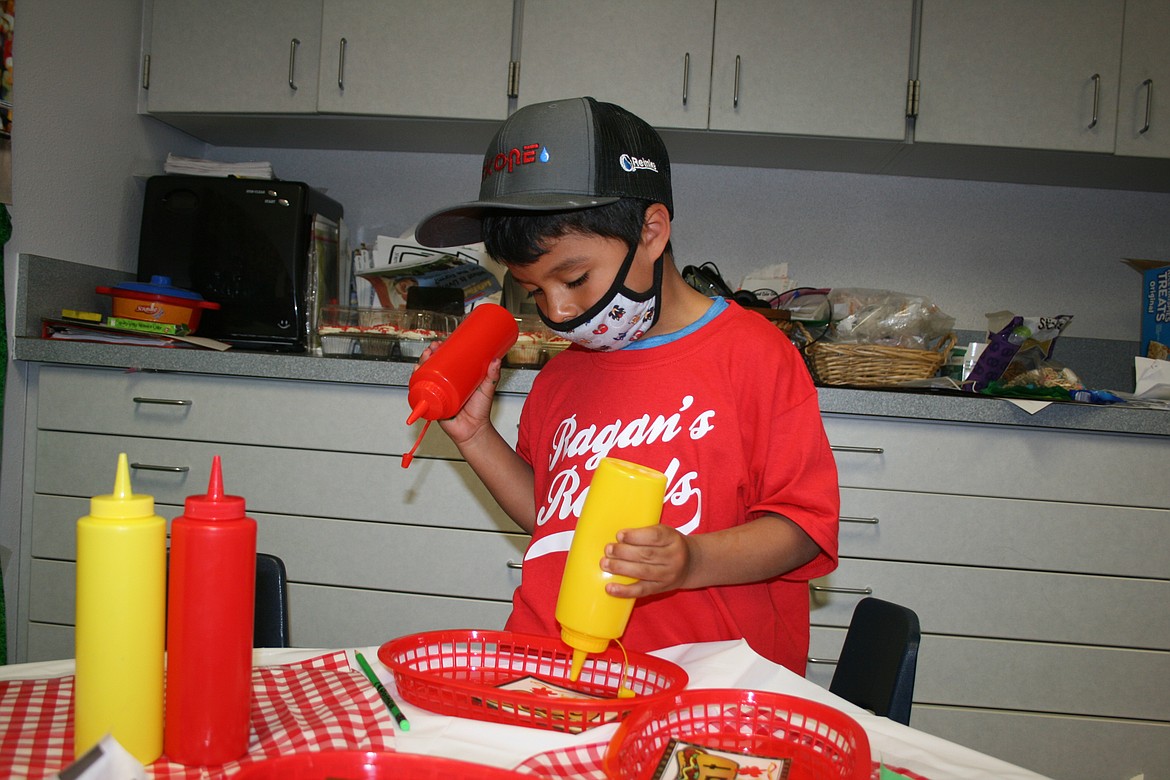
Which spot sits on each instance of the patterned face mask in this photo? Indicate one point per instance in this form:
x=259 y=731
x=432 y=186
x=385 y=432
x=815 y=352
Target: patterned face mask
x=620 y=317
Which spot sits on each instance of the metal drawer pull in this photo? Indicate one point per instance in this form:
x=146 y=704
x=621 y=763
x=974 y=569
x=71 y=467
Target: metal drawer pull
x=812 y=660
x=735 y=91
x=292 y=63
x=863 y=450
x=152 y=467
x=513 y=565
x=687 y=76
x=1096 y=98
x=865 y=520
x=1149 y=85
x=162 y=401
x=341 y=65
x=851 y=591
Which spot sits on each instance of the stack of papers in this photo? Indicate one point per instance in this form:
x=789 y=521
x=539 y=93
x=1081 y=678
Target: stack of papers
x=194 y=166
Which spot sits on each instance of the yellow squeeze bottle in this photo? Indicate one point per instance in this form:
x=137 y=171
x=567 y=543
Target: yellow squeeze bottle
x=621 y=495
x=121 y=622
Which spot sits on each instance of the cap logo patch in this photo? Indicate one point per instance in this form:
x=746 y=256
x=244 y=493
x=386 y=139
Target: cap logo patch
x=630 y=164
x=516 y=156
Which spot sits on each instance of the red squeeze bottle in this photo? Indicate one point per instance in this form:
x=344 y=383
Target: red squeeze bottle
x=439 y=387
x=211 y=597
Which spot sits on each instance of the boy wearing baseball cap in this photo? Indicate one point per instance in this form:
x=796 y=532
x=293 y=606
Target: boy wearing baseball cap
x=576 y=200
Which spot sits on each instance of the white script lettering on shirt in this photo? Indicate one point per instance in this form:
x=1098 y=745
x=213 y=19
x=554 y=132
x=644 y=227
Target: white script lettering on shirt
x=566 y=496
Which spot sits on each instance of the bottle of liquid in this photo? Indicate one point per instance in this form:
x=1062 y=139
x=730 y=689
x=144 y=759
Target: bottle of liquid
x=621 y=495
x=120 y=622
x=210 y=606
x=439 y=387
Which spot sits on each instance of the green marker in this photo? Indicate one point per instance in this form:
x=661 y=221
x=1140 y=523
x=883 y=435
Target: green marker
x=391 y=705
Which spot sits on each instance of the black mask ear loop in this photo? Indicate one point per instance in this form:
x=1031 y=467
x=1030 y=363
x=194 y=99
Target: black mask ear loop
x=619 y=283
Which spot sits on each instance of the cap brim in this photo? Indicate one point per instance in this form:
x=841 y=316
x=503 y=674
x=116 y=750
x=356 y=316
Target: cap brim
x=463 y=224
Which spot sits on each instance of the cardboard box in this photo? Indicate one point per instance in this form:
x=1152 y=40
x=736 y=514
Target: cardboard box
x=1155 y=301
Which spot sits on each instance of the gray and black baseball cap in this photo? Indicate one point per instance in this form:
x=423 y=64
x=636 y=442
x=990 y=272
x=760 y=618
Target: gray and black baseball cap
x=565 y=154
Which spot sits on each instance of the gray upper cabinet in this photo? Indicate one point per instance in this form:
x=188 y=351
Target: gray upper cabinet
x=833 y=68
x=653 y=58
x=1143 y=122
x=441 y=58
x=1035 y=75
x=233 y=56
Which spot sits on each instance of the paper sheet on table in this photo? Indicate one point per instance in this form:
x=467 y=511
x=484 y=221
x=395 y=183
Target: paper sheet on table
x=1153 y=378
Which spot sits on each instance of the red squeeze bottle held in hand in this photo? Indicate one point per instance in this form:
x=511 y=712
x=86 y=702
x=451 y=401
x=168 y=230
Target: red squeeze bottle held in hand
x=211 y=599
x=441 y=386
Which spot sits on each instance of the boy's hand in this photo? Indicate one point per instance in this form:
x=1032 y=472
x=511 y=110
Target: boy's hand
x=476 y=413
x=659 y=557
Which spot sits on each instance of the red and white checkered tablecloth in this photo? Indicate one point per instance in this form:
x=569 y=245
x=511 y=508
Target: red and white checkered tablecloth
x=318 y=704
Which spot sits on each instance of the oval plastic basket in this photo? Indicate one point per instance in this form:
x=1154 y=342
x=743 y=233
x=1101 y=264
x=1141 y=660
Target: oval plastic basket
x=459 y=672
x=369 y=765
x=820 y=741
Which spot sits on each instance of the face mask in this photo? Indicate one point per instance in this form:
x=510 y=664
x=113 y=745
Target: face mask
x=620 y=317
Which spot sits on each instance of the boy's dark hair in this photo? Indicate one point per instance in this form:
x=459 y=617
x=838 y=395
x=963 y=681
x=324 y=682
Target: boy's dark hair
x=521 y=237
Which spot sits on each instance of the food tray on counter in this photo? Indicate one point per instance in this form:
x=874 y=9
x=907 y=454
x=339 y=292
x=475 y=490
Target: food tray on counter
x=380 y=334
x=535 y=345
x=523 y=679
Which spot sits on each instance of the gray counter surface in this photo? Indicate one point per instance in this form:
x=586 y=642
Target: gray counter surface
x=43 y=284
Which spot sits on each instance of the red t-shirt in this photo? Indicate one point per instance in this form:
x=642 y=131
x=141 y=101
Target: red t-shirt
x=729 y=414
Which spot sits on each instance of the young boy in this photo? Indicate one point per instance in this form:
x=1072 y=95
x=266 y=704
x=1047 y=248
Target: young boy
x=576 y=201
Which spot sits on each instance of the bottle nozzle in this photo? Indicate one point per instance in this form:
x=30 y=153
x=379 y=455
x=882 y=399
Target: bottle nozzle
x=578 y=662
x=122 y=488
x=215 y=482
x=419 y=410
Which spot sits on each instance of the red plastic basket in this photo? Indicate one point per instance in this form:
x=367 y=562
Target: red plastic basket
x=459 y=672
x=821 y=741
x=369 y=765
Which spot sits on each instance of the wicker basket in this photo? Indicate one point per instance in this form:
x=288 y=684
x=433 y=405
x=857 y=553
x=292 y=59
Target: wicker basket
x=871 y=365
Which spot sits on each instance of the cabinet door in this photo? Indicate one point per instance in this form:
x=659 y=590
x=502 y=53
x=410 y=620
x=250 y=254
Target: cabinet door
x=234 y=56
x=653 y=58
x=1039 y=75
x=1143 y=123
x=441 y=58
x=832 y=68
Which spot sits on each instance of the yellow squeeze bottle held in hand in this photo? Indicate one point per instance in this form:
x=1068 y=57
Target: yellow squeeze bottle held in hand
x=621 y=495
x=121 y=622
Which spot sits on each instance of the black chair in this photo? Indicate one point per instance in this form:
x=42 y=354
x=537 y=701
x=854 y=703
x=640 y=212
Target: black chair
x=879 y=658
x=270 y=628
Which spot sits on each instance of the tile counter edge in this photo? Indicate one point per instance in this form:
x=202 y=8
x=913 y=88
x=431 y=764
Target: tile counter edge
x=833 y=400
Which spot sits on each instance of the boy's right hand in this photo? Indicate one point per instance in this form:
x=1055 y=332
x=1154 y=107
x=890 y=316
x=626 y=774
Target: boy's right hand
x=476 y=413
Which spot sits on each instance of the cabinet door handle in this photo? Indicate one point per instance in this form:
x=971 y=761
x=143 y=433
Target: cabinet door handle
x=862 y=450
x=162 y=401
x=812 y=660
x=341 y=65
x=513 y=565
x=1096 y=98
x=292 y=63
x=833 y=589
x=865 y=520
x=153 y=467
x=1149 y=85
x=686 y=75
x=735 y=90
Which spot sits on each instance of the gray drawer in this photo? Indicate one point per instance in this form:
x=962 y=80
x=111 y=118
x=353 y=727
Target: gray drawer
x=1003 y=461
x=1007 y=533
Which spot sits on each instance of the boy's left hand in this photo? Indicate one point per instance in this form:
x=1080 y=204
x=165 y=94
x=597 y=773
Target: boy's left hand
x=658 y=556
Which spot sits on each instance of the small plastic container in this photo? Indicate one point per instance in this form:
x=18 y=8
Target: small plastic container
x=158 y=301
x=380 y=334
x=535 y=345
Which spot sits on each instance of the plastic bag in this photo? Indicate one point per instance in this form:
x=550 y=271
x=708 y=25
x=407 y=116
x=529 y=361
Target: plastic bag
x=887 y=318
x=1018 y=353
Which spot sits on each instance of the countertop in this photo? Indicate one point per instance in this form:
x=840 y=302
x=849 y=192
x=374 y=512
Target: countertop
x=44 y=283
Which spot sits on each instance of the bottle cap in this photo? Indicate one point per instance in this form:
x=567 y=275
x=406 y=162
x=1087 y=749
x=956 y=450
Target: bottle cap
x=122 y=503
x=214 y=505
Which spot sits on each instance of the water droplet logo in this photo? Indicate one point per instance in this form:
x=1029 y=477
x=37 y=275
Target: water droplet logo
x=544 y=154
